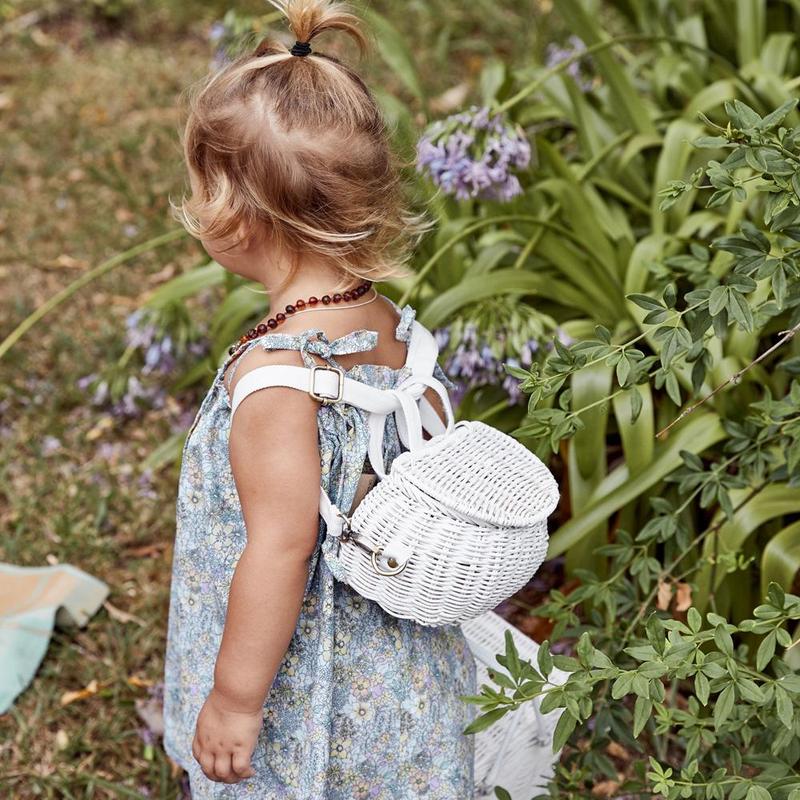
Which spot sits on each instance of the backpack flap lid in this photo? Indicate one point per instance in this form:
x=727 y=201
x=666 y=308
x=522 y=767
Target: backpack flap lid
x=483 y=475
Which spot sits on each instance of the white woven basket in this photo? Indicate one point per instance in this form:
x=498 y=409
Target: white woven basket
x=516 y=752
x=466 y=516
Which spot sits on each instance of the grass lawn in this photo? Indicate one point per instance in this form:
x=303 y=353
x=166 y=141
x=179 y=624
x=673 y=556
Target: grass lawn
x=89 y=119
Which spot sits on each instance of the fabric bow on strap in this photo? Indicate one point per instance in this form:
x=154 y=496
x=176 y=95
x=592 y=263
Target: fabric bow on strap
x=353 y=342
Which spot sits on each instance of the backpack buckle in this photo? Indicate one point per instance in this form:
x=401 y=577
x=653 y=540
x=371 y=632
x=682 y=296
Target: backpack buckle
x=327 y=400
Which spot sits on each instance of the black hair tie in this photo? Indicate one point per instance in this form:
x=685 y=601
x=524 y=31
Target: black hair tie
x=301 y=49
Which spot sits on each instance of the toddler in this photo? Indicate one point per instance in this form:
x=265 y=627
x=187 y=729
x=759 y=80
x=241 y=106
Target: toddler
x=281 y=682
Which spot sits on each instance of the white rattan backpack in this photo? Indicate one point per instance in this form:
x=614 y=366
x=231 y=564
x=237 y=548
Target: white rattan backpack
x=458 y=524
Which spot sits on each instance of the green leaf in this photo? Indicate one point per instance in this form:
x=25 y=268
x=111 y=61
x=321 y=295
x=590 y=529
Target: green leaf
x=503 y=281
x=724 y=705
x=622 y=685
x=766 y=650
x=187 y=285
x=723 y=640
x=772 y=502
x=394 y=51
x=544 y=659
x=566 y=724
x=623 y=370
x=641 y=713
x=512 y=654
x=485 y=720
x=710 y=141
x=775 y=118
x=673 y=389
x=702 y=688
x=784 y=707
x=718 y=299
x=740 y=310
x=626 y=101
x=742 y=116
x=694 y=619
x=646 y=302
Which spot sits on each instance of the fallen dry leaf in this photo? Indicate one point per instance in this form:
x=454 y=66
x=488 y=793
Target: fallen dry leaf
x=605 y=789
x=616 y=750
x=664 y=595
x=146 y=550
x=683 y=596
x=122 y=616
x=81 y=694
x=65 y=261
x=451 y=99
x=142 y=683
x=162 y=275
x=105 y=424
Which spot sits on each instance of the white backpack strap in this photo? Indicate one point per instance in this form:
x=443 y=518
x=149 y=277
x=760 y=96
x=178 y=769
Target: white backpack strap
x=422 y=350
x=422 y=354
x=324 y=383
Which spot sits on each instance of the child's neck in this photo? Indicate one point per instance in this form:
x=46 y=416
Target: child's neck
x=311 y=279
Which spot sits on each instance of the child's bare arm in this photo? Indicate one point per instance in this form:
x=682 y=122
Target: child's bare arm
x=274 y=455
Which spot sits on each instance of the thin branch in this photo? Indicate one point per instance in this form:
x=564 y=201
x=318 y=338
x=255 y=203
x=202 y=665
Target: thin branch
x=735 y=378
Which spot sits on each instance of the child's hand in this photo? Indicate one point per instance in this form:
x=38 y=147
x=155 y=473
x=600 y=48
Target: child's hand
x=224 y=740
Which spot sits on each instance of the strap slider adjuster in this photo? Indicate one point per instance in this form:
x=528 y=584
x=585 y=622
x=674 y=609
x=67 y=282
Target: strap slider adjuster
x=327 y=400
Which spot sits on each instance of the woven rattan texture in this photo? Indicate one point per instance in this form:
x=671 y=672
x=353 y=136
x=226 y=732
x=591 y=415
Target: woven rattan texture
x=472 y=508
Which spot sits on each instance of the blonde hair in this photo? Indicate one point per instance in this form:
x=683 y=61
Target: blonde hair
x=296 y=146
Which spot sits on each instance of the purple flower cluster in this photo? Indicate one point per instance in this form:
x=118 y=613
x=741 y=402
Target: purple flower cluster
x=473 y=153
x=130 y=393
x=135 y=396
x=474 y=362
x=142 y=334
x=555 y=55
x=218 y=36
x=228 y=35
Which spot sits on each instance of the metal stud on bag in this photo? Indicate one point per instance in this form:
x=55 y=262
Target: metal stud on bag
x=348 y=535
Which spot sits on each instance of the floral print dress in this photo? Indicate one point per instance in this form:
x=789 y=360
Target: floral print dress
x=364 y=705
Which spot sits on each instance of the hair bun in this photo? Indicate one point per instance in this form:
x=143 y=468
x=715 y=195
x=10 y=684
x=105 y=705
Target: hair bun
x=309 y=18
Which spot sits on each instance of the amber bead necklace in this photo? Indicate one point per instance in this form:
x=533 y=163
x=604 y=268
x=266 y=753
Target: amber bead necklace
x=301 y=306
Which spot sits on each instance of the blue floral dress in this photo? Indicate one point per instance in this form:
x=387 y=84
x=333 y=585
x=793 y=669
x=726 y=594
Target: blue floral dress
x=364 y=705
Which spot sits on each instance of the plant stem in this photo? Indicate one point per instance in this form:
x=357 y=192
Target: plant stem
x=631 y=37
x=735 y=378
x=72 y=288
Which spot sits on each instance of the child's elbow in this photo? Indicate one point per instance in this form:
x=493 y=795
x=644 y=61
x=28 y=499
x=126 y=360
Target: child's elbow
x=288 y=543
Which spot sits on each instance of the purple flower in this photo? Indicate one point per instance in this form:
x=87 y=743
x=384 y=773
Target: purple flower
x=145 y=485
x=555 y=55
x=108 y=451
x=126 y=395
x=216 y=32
x=50 y=444
x=472 y=154
x=473 y=362
x=142 y=334
x=562 y=337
